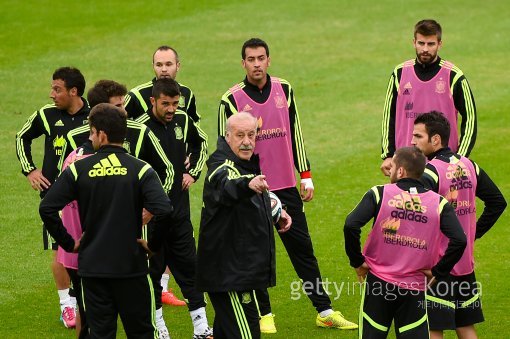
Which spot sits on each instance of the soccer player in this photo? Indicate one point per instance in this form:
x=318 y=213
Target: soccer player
x=280 y=141
x=69 y=110
x=401 y=249
x=236 y=250
x=112 y=255
x=179 y=137
x=425 y=84
x=460 y=181
x=166 y=64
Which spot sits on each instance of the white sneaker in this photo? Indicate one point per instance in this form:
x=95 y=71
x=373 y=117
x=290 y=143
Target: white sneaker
x=163 y=332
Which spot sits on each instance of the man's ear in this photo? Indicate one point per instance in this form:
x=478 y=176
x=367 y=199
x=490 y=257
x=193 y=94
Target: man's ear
x=436 y=140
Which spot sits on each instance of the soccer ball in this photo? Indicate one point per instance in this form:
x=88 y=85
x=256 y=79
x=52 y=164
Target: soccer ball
x=276 y=207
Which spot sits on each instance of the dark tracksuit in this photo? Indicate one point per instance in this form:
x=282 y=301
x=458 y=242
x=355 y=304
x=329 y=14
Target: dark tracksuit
x=54 y=124
x=297 y=240
x=236 y=250
x=178 y=138
x=137 y=101
x=111 y=188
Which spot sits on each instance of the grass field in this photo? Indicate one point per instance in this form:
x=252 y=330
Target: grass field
x=337 y=54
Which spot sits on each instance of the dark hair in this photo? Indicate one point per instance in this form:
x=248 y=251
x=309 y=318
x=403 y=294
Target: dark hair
x=166 y=48
x=165 y=86
x=254 y=43
x=103 y=90
x=428 y=27
x=412 y=160
x=435 y=123
x=110 y=119
x=72 y=77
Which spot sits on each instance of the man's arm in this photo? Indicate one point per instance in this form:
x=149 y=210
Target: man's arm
x=388 y=120
x=430 y=178
x=365 y=210
x=494 y=202
x=465 y=105
x=134 y=104
x=196 y=139
x=191 y=107
x=62 y=192
x=155 y=200
x=228 y=185
x=226 y=109
x=451 y=228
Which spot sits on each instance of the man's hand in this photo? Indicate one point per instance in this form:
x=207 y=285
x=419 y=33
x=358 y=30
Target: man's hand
x=38 y=181
x=146 y=216
x=284 y=222
x=258 y=184
x=145 y=246
x=362 y=271
x=187 y=181
x=77 y=244
x=306 y=189
x=431 y=280
x=385 y=166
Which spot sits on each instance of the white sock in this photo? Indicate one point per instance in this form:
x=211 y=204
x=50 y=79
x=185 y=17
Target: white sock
x=63 y=295
x=326 y=313
x=199 y=319
x=160 y=321
x=164 y=282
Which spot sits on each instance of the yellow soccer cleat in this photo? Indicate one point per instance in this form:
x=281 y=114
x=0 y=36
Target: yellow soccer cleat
x=267 y=324
x=335 y=320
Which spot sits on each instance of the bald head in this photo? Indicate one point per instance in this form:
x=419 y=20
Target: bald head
x=241 y=133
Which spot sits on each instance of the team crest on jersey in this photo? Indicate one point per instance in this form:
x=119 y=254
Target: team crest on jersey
x=181 y=101
x=58 y=144
x=390 y=225
x=279 y=101
x=409 y=106
x=127 y=146
x=178 y=133
x=440 y=86
x=246 y=299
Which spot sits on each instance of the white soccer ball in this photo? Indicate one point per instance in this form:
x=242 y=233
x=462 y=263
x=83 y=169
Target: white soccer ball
x=276 y=207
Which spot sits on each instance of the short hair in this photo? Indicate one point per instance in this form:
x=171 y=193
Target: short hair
x=110 y=119
x=165 y=86
x=412 y=160
x=428 y=27
x=435 y=123
x=166 y=48
x=240 y=116
x=254 y=43
x=72 y=77
x=103 y=90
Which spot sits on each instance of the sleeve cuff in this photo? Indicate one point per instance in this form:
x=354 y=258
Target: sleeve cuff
x=306 y=175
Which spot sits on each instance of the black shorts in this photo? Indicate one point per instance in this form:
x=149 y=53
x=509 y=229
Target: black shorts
x=384 y=302
x=464 y=298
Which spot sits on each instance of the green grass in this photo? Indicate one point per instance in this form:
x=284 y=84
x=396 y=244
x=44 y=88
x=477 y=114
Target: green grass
x=338 y=56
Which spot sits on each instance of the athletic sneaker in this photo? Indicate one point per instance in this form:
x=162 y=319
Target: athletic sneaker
x=267 y=324
x=170 y=299
x=335 y=320
x=207 y=334
x=163 y=332
x=68 y=316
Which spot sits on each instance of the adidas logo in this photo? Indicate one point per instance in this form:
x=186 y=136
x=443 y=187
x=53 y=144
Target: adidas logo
x=247 y=108
x=59 y=123
x=108 y=166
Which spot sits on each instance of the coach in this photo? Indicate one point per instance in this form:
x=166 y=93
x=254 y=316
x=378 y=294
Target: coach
x=236 y=252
